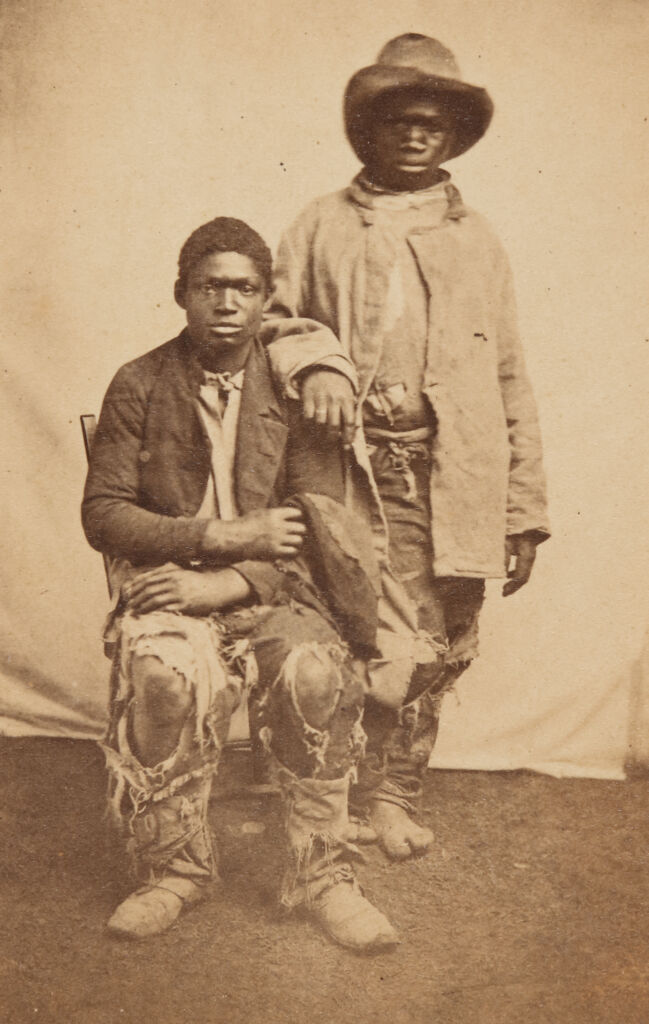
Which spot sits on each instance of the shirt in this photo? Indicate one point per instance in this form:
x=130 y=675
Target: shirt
x=396 y=398
x=219 y=403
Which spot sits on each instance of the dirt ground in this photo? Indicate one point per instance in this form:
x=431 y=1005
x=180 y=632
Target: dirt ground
x=532 y=909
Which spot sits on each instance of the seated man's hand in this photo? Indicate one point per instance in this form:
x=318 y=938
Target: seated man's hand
x=274 y=533
x=262 y=536
x=328 y=398
x=522 y=548
x=173 y=589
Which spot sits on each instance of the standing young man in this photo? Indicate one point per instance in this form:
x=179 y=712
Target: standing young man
x=418 y=290
x=194 y=458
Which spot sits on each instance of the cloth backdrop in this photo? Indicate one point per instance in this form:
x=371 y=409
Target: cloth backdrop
x=127 y=123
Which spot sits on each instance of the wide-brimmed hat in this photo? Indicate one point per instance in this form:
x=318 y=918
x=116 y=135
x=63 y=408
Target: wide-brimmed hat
x=416 y=62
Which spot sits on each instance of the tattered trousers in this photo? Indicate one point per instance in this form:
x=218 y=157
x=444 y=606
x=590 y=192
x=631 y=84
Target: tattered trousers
x=294 y=660
x=401 y=740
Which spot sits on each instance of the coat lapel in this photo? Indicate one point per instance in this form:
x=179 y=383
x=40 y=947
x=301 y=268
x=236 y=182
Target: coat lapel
x=261 y=437
x=176 y=446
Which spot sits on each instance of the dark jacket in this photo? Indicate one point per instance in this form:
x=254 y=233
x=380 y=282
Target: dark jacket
x=151 y=460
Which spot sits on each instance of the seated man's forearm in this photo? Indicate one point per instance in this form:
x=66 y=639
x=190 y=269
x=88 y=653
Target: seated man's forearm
x=225 y=541
x=122 y=529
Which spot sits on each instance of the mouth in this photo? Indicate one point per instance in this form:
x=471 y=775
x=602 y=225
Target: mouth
x=413 y=155
x=225 y=330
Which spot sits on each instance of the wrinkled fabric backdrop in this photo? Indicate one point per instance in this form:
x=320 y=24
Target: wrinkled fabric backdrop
x=128 y=123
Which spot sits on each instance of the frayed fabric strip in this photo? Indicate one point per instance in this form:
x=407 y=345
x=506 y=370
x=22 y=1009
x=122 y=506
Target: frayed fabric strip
x=391 y=793
x=320 y=676
x=172 y=837
x=192 y=647
x=330 y=655
x=390 y=676
x=317 y=827
x=163 y=809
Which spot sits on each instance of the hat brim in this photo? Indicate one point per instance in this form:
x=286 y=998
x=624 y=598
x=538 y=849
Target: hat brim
x=471 y=105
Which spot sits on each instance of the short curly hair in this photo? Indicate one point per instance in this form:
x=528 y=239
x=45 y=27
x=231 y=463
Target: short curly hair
x=223 y=234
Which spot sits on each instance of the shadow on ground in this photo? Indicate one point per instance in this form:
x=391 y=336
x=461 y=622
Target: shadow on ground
x=532 y=909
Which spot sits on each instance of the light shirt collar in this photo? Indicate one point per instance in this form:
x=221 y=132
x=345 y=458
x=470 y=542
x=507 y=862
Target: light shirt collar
x=374 y=197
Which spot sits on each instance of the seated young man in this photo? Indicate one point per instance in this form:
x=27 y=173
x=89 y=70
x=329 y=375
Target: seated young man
x=195 y=452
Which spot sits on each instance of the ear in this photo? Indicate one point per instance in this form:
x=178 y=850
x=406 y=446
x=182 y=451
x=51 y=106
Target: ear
x=179 y=294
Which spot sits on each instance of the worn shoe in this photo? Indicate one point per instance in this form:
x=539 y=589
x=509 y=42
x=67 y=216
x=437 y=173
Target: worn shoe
x=398 y=835
x=350 y=920
x=153 y=909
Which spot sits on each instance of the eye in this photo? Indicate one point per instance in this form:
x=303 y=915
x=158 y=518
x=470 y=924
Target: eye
x=247 y=289
x=207 y=289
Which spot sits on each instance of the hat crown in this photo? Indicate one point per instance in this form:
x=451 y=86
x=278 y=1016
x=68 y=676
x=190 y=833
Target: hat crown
x=421 y=52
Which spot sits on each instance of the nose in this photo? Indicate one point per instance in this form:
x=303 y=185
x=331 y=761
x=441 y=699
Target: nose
x=225 y=299
x=415 y=133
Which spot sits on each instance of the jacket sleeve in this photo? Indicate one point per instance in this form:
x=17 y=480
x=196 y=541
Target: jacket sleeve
x=297 y=344
x=263 y=578
x=313 y=465
x=526 y=498
x=112 y=518
x=295 y=341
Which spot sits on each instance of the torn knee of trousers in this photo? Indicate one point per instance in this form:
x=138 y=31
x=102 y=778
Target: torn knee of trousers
x=164 y=694
x=426 y=678
x=312 y=673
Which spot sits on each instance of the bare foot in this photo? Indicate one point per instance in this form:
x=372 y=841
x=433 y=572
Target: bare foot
x=398 y=834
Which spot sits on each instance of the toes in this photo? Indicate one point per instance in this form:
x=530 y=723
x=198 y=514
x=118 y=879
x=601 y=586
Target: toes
x=421 y=840
x=366 y=834
x=401 y=844
x=396 y=846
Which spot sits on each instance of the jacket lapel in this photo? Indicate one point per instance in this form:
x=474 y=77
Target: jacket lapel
x=261 y=437
x=176 y=446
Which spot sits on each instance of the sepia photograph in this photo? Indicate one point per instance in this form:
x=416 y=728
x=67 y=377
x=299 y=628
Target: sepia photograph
x=324 y=437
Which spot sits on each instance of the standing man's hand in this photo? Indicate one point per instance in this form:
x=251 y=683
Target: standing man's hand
x=328 y=399
x=522 y=548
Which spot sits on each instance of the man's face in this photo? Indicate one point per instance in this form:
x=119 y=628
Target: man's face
x=224 y=302
x=411 y=138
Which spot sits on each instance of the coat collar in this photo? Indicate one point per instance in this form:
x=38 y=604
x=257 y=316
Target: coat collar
x=440 y=202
